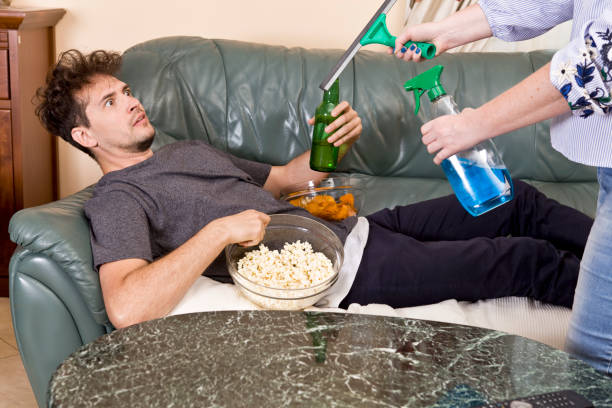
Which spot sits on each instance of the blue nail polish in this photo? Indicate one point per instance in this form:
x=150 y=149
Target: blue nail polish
x=412 y=47
x=403 y=49
x=418 y=50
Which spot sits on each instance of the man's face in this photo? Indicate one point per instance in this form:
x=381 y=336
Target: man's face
x=117 y=120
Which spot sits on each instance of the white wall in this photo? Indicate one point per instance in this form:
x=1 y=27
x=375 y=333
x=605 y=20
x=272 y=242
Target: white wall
x=119 y=24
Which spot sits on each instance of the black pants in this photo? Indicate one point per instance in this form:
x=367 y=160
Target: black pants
x=434 y=250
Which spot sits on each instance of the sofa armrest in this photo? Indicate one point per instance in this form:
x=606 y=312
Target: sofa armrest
x=50 y=317
x=56 y=301
x=60 y=231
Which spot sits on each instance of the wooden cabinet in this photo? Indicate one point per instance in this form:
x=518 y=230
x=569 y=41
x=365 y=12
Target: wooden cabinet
x=28 y=174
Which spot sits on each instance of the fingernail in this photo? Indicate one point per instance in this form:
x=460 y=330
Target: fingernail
x=403 y=49
x=412 y=47
x=418 y=50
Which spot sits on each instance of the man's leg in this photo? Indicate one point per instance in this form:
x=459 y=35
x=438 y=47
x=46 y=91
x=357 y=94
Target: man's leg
x=590 y=331
x=529 y=214
x=402 y=271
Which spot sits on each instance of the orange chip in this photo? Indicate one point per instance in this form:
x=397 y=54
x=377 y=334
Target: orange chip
x=326 y=207
x=348 y=199
x=342 y=213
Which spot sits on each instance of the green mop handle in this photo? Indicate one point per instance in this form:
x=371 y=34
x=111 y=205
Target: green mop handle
x=379 y=34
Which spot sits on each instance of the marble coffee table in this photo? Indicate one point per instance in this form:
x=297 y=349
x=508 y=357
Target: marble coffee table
x=272 y=359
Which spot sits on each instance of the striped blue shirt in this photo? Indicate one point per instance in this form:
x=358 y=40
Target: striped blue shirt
x=582 y=70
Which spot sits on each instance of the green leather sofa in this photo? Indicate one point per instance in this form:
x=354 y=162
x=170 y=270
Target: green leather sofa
x=254 y=100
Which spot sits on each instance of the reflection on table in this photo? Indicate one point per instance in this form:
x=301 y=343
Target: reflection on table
x=260 y=358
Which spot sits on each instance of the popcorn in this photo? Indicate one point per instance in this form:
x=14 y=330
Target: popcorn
x=293 y=278
x=296 y=266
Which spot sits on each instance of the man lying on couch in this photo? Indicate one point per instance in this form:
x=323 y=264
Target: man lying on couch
x=158 y=220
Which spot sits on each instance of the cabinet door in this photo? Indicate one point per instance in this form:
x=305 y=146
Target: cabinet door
x=7 y=197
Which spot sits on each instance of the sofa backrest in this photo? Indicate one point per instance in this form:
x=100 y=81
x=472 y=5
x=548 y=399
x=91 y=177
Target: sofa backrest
x=254 y=100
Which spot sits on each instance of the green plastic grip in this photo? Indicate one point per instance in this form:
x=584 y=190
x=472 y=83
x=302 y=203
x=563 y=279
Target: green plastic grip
x=426 y=81
x=428 y=50
x=379 y=34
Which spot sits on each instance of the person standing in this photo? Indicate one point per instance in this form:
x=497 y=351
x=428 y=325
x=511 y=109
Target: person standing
x=574 y=90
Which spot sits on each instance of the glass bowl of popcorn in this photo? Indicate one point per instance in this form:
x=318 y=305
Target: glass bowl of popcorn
x=292 y=268
x=333 y=198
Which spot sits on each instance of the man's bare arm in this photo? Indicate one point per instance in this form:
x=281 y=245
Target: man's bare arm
x=135 y=290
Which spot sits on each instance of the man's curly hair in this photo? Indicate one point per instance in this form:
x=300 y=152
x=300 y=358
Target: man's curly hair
x=58 y=108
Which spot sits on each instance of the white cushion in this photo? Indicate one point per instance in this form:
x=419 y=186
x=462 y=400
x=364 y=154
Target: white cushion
x=521 y=316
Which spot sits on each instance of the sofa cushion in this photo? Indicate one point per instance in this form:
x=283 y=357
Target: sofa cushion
x=521 y=316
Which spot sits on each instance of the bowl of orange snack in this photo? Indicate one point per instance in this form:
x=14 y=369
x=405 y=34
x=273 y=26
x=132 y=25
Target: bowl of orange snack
x=332 y=199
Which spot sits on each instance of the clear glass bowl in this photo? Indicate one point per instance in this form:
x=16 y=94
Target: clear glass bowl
x=284 y=229
x=332 y=199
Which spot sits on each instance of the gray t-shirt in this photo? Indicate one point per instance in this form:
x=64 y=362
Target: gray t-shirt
x=147 y=210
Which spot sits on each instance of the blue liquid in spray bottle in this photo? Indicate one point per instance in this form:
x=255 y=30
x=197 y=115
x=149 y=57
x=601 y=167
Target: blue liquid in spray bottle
x=479 y=189
x=478 y=175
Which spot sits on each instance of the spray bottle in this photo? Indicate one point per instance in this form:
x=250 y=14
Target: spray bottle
x=478 y=175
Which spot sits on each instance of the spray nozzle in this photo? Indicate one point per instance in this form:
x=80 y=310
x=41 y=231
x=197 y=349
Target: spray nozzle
x=427 y=81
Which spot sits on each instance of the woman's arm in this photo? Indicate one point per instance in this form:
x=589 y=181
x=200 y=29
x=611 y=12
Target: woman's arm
x=467 y=25
x=532 y=100
x=578 y=79
x=508 y=20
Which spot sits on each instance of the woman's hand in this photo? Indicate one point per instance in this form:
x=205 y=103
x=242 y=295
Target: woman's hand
x=451 y=134
x=465 y=26
x=427 y=32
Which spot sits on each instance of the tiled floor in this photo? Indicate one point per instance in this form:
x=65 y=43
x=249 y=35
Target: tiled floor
x=15 y=391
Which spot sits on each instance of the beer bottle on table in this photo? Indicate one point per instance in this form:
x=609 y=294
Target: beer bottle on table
x=324 y=155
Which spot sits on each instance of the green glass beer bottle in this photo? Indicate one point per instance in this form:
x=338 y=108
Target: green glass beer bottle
x=324 y=155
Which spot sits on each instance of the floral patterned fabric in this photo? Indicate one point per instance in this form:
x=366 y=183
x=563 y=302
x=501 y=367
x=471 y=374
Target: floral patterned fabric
x=583 y=75
x=581 y=71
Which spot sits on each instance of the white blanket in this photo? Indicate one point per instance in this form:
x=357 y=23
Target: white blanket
x=521 y=316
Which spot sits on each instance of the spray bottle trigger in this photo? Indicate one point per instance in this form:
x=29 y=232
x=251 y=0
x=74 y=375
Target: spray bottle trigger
x=417 y=99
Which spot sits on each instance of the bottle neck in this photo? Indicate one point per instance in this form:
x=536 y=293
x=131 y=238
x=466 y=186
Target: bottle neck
x=333 y=94
x=444 y=105
x=436 y=93
x=438 y=98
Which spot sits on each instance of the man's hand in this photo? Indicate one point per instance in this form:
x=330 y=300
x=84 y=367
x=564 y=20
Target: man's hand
x=451 y=134
x=246 y=228
x=346 y=128
x=136 y=290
